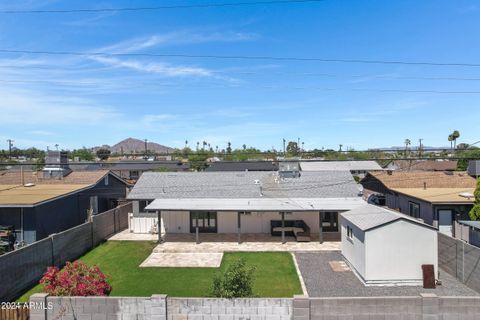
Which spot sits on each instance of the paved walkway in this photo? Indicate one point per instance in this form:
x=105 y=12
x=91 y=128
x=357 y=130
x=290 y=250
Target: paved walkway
x=184 y=259
x=126 y=235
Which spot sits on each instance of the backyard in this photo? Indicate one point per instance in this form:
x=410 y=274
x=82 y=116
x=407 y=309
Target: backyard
x=275 y=274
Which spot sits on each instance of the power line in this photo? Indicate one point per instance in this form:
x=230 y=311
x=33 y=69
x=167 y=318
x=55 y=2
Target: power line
x=164 y=7
x=243 y=57
x=257 y=86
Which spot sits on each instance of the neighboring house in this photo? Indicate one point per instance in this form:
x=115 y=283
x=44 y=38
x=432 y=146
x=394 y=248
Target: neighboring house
x=356 y=168
x=37 y=204
x=438 y=198
x=386 y=247
x=422 y=165
x=277 y=203
x=468 y=231
x=242 y=166
x=132 y=170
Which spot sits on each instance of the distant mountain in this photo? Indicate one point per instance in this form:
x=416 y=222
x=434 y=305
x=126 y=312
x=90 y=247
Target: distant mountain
x=132 y=145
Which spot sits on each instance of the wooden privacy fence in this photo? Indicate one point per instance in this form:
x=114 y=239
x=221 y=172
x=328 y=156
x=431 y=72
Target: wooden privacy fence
x=15 y=312
x=21 y=269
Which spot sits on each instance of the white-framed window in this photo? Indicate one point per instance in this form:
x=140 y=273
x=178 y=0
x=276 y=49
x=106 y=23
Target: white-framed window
x=105 y=180
x=349 y=233
x=414 y=209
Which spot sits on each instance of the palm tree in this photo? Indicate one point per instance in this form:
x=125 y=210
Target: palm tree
x=455 y=136
x=450 y=138
x=186 y=144
x=407 y=143
x=244 y=147
x=198 y=145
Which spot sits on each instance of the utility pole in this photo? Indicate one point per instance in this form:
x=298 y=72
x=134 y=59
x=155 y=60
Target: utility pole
x=145 y=148
x=420 y=147
x=284 y=147
x=10 y=145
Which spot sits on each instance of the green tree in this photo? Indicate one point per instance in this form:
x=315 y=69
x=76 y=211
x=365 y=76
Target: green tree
x=103 y=153
x=82 y=154
x=292 y=148
x=475 y=212
x=236 y=282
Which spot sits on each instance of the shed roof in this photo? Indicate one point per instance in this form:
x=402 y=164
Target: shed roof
x=17 y=195
x=439 y=195
x=418 y=179
x=240 y=185
x=367 y=217
x=339 y=165
x=256 y=204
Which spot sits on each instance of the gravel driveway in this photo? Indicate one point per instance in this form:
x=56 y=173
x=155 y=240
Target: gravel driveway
x=322 y=281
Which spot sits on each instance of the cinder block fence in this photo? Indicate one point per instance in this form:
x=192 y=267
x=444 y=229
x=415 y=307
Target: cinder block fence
x=161 y=307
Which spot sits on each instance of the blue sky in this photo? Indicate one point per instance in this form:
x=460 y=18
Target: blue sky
x=85 y=100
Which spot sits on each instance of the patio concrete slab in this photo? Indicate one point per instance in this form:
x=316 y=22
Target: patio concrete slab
x=126 y=235
x=183 y=259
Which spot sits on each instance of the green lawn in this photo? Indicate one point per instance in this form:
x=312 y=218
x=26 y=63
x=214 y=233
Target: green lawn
x=275 y=274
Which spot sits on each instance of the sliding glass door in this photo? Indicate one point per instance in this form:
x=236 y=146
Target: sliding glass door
x=207 y=221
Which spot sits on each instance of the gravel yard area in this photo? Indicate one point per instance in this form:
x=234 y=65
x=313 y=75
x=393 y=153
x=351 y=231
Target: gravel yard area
x=322 y=281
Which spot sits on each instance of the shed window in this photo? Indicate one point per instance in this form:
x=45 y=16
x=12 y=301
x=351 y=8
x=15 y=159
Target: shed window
x=350 y=232
x=414 y=209
x=106 y=180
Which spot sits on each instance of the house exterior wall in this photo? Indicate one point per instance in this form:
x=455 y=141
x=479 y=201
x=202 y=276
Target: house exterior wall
x=396 y=251
x=401 y=202
x=13 y=217
x=354 y=249
x=256 y=222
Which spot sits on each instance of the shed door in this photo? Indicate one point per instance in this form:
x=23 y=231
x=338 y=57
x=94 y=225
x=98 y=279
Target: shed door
x=445 y=218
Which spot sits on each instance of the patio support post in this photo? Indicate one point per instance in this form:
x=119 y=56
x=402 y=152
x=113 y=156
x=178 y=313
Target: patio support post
x=320 y=232
x=239 y=226
x=159 y=217
x=197 y=240
x=283 y=227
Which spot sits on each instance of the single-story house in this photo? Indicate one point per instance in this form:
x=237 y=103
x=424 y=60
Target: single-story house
x=132 y=170
x=387 y=247
x=37 y=204
x=300 y=204
x=242 y=166
x=468 y=231
x=422 y=165
x=436 y=197
x=356 y=168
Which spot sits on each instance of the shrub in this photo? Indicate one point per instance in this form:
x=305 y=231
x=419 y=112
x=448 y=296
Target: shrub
x=475 y=212
x=75 y=279
x=236 y=282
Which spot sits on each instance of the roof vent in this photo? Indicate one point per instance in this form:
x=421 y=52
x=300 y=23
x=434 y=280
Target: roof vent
x=256 y=181
x=467 y=195
x=28 y=185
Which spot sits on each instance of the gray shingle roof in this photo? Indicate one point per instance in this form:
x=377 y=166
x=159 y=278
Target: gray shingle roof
x=236 y=185
x=368 y=216
x=366 y=165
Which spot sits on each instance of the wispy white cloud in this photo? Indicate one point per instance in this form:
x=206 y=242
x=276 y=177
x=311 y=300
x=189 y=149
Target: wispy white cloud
x=155 y=67
x=183 y=37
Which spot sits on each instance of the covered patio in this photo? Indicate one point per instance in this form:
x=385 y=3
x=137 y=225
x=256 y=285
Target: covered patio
x=250 y=220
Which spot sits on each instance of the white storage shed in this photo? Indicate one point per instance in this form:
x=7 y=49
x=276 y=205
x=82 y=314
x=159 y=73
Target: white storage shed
x=383 y=246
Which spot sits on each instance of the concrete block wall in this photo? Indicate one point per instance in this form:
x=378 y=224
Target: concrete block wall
x=460 y=260
x=159 y=307
x=99 y=308
x=365 y=308
x=229 y=309
x=22 y=268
